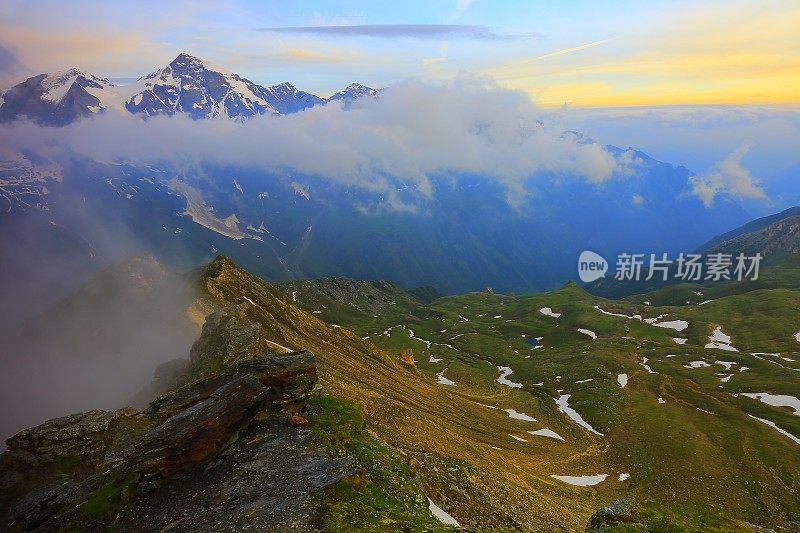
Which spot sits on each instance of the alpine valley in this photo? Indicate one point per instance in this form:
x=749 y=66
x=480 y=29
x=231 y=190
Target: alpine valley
x=272 y=348
x=456 y=231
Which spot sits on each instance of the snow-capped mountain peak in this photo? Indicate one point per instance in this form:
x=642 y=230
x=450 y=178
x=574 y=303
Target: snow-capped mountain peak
x=187 y=85
x=287 y=98
x=200 y=89
x=56 y=85
x=57 y=98
x=353 y=92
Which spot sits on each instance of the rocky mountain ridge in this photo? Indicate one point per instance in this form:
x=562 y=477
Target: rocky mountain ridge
x=225 y=444
x=136 y=452
x=187 y=85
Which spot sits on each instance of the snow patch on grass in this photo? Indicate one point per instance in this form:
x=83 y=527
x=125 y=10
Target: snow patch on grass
x=442 y=516
x=609 y=313
x=776 y=428
x=547 y=311
x=775 y=400
x=441 y=380
x=504 y=373
x=726 y=364
x=582 y=481
x=563 y=405
x=677 y=325
x=519 y=416
x=720 y=341
x=697 y=364
x=544 y=432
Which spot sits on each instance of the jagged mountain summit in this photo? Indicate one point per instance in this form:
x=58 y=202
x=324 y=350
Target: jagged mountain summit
x=287 y=99
x=192 y=86
x=353 y=92
x=187 y=85
x=57 y=98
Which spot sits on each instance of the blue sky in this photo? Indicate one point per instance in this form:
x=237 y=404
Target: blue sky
x=581 y=53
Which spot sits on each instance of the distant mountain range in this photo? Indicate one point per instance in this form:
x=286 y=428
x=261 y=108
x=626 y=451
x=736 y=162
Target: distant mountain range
x=776 y=237
x=284 y=224
x=188 y=85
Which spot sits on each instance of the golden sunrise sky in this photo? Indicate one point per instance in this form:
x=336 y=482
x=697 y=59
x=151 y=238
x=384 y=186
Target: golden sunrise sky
x=580 y=53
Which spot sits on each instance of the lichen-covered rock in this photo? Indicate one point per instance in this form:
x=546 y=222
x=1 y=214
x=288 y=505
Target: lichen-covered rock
x=272 y=478
x=90 y=435
x=68 y=446
x=226 y=338
x=619 y=512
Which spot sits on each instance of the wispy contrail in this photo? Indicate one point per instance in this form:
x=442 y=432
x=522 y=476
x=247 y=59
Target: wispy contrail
x=568 y=50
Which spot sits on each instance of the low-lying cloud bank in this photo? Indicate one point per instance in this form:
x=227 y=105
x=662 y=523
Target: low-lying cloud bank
x=413 y=132
x=417 y=131
x=748 y=152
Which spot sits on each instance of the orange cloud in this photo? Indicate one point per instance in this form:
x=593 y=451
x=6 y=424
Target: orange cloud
x=744 y=54
x=104 y=51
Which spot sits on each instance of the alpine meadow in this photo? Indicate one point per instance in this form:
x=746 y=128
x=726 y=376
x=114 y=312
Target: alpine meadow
x=388 y=267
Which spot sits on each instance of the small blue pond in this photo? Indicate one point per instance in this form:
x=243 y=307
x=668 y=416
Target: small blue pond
x=531 y=341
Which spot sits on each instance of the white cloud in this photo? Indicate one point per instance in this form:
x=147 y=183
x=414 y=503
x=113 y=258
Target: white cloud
x=414 y=132
x=728 y=178
x=697 y=137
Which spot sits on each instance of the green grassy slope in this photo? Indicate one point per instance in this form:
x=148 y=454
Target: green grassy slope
x=680 y=431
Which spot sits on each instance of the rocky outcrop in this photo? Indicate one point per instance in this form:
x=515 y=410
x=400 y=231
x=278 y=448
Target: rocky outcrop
x=619 y=512
x=227 y=337
x=290 y=378
x=188 y=438
x=271 y=479
x=76 y=443
x=57 y=475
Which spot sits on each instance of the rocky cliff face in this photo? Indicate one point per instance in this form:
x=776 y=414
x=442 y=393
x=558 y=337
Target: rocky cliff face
x=227 y=412
x=776 y=240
